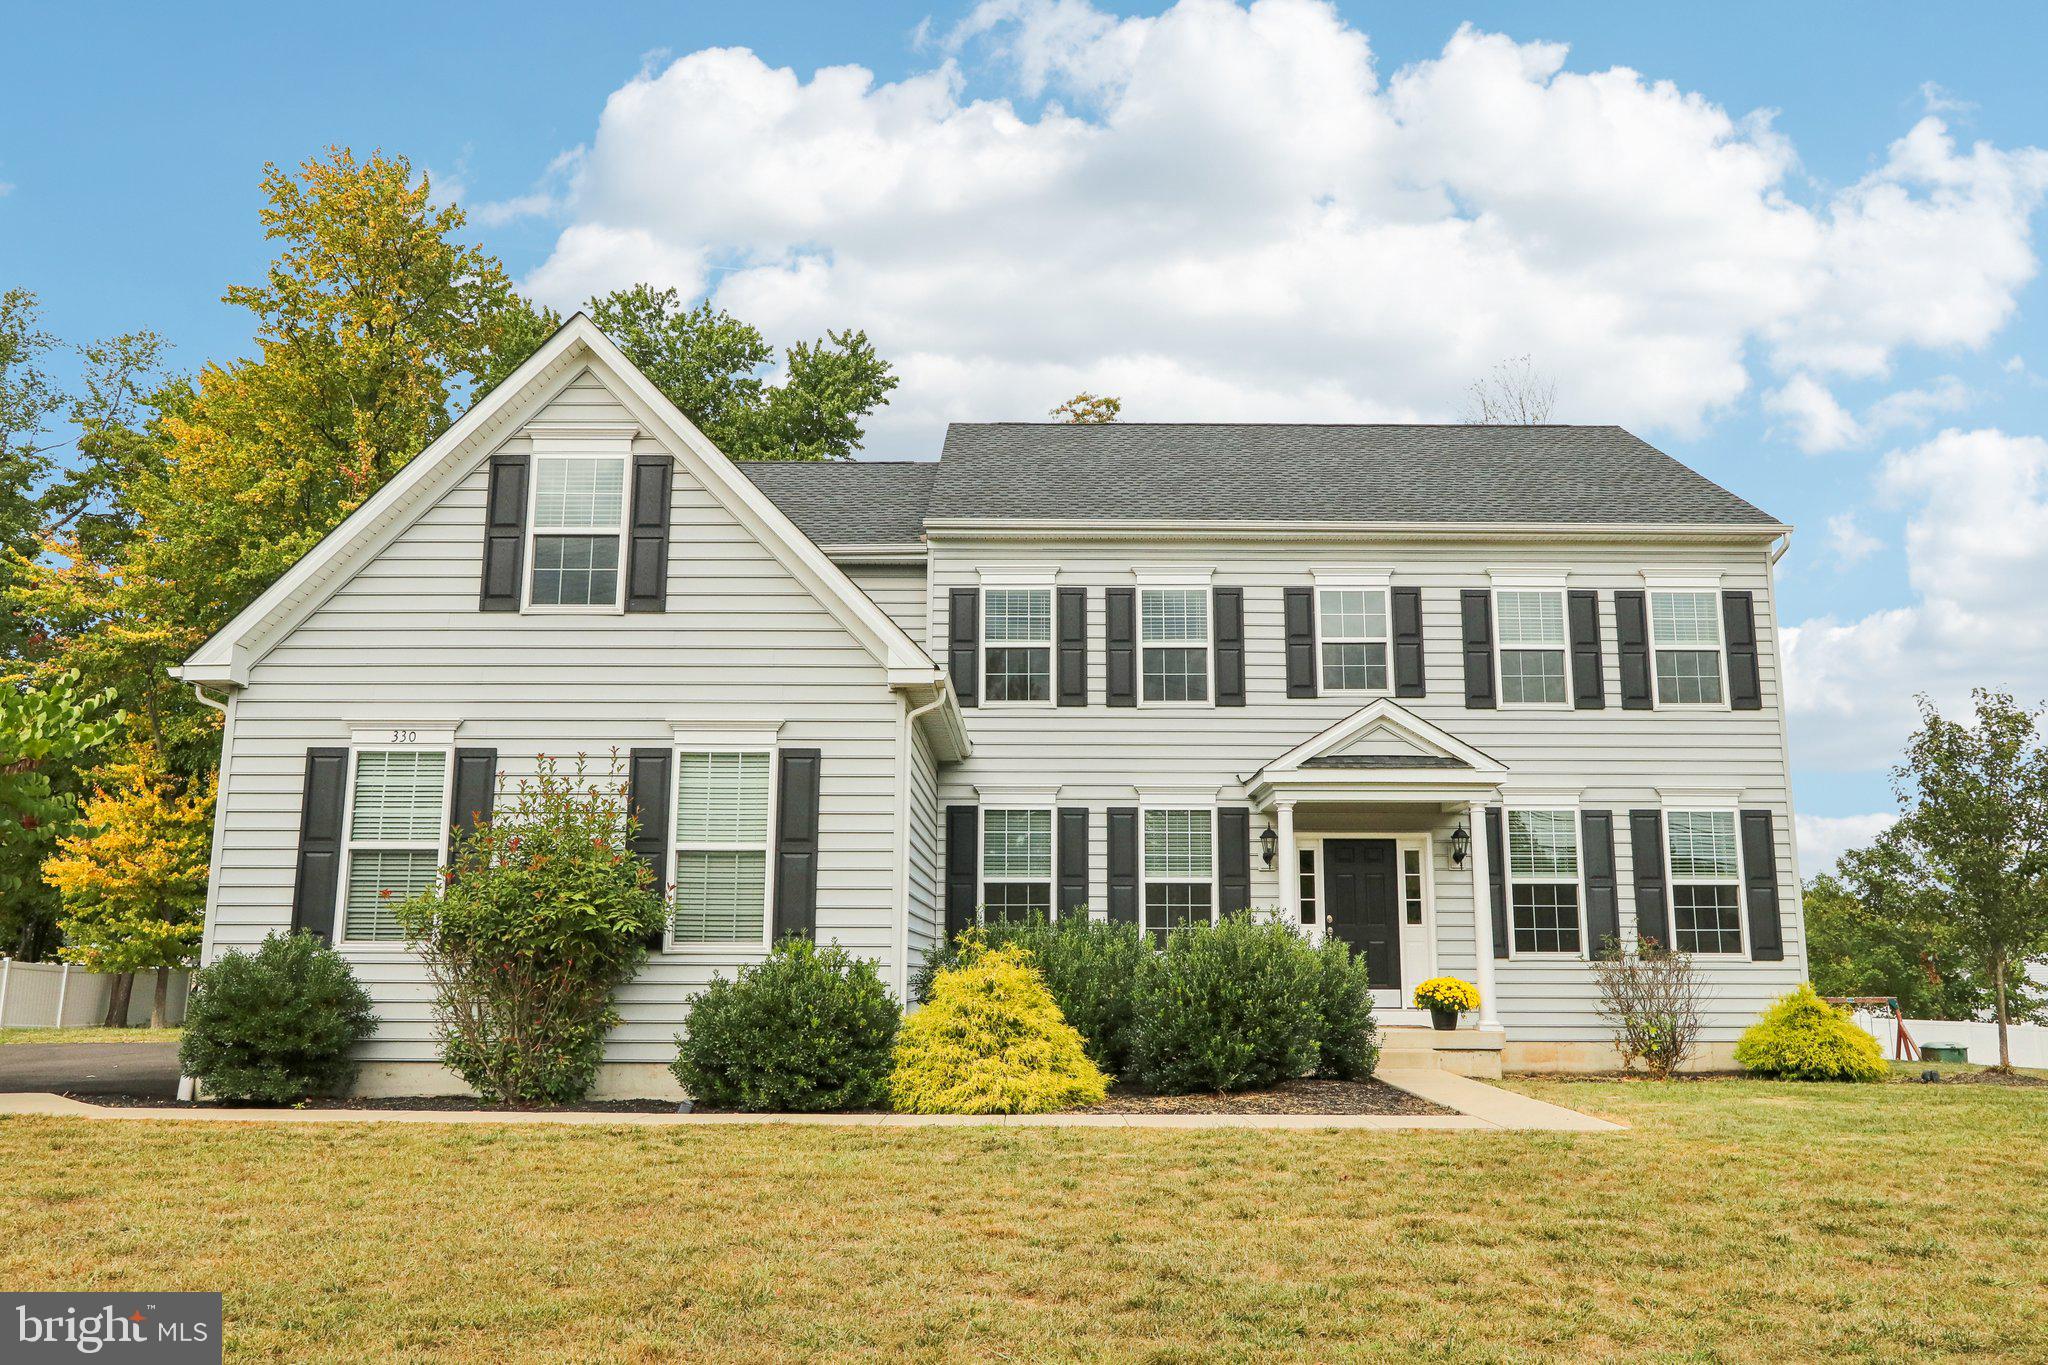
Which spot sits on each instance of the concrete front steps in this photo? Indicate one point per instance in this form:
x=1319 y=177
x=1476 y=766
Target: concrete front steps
x=1461 y=1051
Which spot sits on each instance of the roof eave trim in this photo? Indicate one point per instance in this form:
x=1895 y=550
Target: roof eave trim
x=1407 y=530
x=876 y=554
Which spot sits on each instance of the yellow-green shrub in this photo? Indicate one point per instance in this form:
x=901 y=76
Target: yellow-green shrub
x=1804 y=1038
x=991 y=1041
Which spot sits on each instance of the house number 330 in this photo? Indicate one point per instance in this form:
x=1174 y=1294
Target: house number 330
x=405 y=736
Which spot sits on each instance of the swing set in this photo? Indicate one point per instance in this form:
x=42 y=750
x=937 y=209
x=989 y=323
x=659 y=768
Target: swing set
x=1904 y=1049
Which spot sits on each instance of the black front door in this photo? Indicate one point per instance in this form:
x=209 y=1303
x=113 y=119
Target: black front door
x=1364 y=905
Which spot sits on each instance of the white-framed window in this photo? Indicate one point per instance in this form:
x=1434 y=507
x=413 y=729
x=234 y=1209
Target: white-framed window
x=395 y=836
x=1706 y=881
x=576 y=532
x=1685 y=639
x=1173 y=645
x=1016 y=651
x=1543 y=882
x=1308 y=885
x=1529 y=632
x=1411 y=883
x=1353 y=639
x=1016 y=863
x=1178 y=868
x=722 y=835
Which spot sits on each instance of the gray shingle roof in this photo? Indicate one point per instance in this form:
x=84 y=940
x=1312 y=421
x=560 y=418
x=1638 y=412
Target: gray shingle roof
x=1384 y=761
x=848 y=502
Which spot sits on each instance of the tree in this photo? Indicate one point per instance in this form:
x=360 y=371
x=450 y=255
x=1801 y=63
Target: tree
x=1514 y=393
x=1967 y=864
x=29 y=398
x=1088 y=409
x=133 y=876
x=42 y=731
x=710 y=365
x=1861 y=942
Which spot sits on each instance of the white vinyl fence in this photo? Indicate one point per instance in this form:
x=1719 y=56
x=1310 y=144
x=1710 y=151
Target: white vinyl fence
x=2029 y=1042
x=59 y=995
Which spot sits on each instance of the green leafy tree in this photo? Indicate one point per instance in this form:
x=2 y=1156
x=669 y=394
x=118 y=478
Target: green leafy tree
x=43 y=731
x=711 y=365
x=1862 y=941
x=29 y=398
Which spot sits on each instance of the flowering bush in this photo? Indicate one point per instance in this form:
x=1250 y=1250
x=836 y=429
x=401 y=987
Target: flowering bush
x=991 y=1041
x=1447 y=993
x=1804 y=1038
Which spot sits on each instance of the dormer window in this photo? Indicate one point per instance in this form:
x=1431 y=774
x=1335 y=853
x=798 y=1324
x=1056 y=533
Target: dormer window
x=578 y=529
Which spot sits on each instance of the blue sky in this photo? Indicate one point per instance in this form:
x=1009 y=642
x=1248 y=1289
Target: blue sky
x=132 y=143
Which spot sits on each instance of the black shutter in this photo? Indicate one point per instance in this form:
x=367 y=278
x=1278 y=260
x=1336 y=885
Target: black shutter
x=1123 y=864
x=1497 y=878
x=1408 y=680
x=476 y=786
x=1589 y=688
x=1738 y=622
x=1073 y=646
x=1603 y=901
x=796 y=845
x=963 y=867
x=319 y=869
x=1632 y=643
x=1760 y=885
x=1476 y=611
x=1299 y=609
x=647 y=792
x=647 y=556
x=1646 y=847
x=1233 y=859
x=1073 y=886
x=504 y=533
x=1120 y=620
x=1229 y=646
x=963 y=642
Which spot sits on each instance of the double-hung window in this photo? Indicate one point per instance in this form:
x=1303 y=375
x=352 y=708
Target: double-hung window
x=578 y=526
x=1352 y=626
x=1706 y=881
x=721 y=847
x=1543 y=880
x=1685 y=632
x=1017 y=644
x=1179 y=869
x=1016 y=864
x=397 y=835
x=1173 y=638
x=1529 y=624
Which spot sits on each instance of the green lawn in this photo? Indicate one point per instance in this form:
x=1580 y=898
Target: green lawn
x=89 y=1035
x=1736 y=1221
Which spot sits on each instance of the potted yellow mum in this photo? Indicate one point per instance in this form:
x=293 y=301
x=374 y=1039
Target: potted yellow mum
x=1446 y=997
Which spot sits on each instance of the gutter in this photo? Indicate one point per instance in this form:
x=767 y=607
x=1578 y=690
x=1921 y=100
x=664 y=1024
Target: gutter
x=905 y=744
x=1096 y=528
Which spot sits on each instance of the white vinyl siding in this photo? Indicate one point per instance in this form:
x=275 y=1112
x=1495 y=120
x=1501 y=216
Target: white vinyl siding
x=1351 y=626
x=1173 y=642
x=1016 y=863
x=1017 y=645
x=1529 y=626
x=1706 y=882
x=721 y=847
x=1685 y=633
x=578 y=526
x=1543 y=882
x=396 y=823
x=1179 y=872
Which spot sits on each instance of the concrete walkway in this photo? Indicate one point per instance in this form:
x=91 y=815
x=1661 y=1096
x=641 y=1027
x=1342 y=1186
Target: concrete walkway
x=1483 y=1107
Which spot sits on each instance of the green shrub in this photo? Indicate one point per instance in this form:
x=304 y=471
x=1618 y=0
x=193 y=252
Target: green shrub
x=1233 y=1006
x=275 y=1026
x=545 y=912
x=1804 y=1038
x=808 y=1029
x=1091 y=968
x=991 y=1041
x=1347 y=1037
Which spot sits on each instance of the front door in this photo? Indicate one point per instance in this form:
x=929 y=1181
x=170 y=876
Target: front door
x=1364 y=904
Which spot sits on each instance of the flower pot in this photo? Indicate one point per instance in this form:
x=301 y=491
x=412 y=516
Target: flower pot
x=1444 y=1019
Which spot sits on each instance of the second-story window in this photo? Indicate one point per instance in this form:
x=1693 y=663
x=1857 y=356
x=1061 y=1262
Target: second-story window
x=578 y=527
x=1530 y=629
x=1685 y=631
x=1352 y=624
x=1017 y=644
x=1173 y=637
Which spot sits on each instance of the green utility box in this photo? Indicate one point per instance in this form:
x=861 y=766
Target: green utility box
x=1944 y=1052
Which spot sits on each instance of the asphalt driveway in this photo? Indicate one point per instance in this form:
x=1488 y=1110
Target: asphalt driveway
x=149 y=1069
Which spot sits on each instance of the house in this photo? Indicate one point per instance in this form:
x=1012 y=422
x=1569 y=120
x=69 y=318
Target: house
x=1479 y=700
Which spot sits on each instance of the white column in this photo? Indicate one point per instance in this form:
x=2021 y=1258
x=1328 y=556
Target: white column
x=1289 y=866
x=1482 y=918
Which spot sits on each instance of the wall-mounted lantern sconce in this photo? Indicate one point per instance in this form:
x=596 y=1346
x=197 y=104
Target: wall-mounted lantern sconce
x=1461 y=845
x=1269 y=845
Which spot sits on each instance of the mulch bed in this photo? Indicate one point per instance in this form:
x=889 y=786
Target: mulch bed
x=1289 y=1097
x=2014 y=1079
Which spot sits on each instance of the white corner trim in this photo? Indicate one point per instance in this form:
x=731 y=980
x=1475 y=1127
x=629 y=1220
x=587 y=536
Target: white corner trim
x=435 y=733
x=1694 y=579
x=726 y=734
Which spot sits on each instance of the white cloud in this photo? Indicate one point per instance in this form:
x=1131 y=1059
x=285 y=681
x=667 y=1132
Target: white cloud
x=1824 y=838
x=1819 y=423
x=1225 y=210
x=1848 y=542
x=1976 y=556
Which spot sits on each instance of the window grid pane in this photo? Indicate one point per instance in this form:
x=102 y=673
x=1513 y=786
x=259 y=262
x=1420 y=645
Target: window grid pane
x=1017 y=901
x=1530 y=618
x=1685 y=618
x=1352 y=614
x=1354 y=667
x=1019 y=615
x=575 y=571
x=400 y=796
x=1547 y=918
x=1173 y=614
x=1543 y=843
x=722 y=798
x=1168 y=905
x=1411 y=883
x=1177 y=844
x=579 y=493
x=1176 y=674
x=378 y=880
x=1708 y=919
x=1019 y=674
x=1688 y=675
x=1532 y=676
x=1702 y=845
x=1016 y=845
x=721 y=896
x=1308 y=886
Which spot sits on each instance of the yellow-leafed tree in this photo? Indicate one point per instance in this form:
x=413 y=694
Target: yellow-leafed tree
x=133 y=876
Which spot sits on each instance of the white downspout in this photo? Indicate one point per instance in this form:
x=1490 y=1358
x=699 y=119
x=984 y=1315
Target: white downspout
x=905 y=745
x=188 y=1087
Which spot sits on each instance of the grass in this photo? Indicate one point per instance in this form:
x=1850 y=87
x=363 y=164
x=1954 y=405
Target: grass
x=1737 y=1221
x=89 y=1035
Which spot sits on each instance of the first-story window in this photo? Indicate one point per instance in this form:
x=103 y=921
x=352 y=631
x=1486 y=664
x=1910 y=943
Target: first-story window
x=1685 y=631
x=397 y=825
x=1706 y=882
x=1179 y=869
x=1352 y=626
x=1543 y=878
x=1411 y=883
x=578 y=525
x=1016 y=864
x=1530 y=629
x=1173 y=637
x=1308 y=886
x=1017 y=653
x=721 y=848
